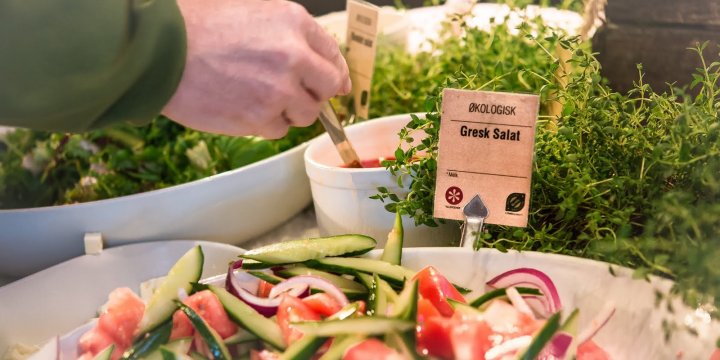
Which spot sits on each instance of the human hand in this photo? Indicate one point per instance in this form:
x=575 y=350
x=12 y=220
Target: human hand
x=254 y=67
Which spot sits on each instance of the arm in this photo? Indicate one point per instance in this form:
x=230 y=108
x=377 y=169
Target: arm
x=82 y=64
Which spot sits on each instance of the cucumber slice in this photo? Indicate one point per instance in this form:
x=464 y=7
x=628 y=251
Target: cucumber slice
x=542 y=338
x=570 y=324
x=462 y=290
x=394 y=274
x=380 y=300
x=272 y=279
x=405 y=307
x=295 y=251
x=351 y=288
x=403 y=343
x=240 y=312
x=349 y=310
x=197 y=356
x=340 y=345
x=249 y=264
x=465 y=308
x=498 y=293
x=216 y=346
x=369 y=282
x=150 y=342
x=304 y=348
x=393 y=247
x=388 y=291
x=167 y=353
x=105 y=354
x=570 y=327
x=161 y=306
x=241 y=336
x=363 y=325
x=177 y=348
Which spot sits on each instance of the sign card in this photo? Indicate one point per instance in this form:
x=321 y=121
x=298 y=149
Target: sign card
x=486 y=148
x=361 y=43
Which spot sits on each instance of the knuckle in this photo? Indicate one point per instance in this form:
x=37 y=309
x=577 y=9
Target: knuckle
x=296 y=11
x=287 y=56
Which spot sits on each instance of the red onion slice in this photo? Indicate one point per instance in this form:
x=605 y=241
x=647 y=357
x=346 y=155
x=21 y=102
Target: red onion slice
x=313 y=282
x=244 y=286
x=528 y=277
x=557 y=348
x=597 y=323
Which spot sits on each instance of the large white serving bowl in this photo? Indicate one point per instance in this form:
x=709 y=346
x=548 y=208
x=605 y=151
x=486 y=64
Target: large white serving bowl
x=58 y=299
x=230 y=207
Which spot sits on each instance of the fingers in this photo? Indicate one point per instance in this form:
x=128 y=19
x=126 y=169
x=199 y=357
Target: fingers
x=302 y=109
x=327 y=48
x=320 y=78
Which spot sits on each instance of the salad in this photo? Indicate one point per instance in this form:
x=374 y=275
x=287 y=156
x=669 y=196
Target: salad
x=314 y=299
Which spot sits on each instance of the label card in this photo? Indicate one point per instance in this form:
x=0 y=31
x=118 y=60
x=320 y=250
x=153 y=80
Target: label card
x=486 y=148
x=361 y=43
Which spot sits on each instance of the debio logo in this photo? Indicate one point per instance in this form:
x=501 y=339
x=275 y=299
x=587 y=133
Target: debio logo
x=515 y=202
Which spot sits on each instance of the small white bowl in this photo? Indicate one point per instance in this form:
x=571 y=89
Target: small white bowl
x=342 y=196
x=231 y=207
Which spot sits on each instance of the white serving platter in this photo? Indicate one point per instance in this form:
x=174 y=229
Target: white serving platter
x=58 y=299
x=231 y=207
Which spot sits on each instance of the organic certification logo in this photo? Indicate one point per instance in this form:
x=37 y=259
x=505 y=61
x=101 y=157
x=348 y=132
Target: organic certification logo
x=515 y=202
x=453 y=195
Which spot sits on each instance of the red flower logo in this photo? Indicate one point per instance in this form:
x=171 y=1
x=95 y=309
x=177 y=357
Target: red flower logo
x=454 y=195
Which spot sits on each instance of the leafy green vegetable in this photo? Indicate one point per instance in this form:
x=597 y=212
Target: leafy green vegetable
x=42 y=168
x=632 y=179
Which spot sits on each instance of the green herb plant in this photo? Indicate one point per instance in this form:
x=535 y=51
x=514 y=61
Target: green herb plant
x=632 y=179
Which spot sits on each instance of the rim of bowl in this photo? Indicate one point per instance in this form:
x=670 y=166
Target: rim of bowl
x=367 y=123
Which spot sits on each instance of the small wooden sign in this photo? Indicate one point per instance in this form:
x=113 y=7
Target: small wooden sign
x=486 y=148
x=361 y=43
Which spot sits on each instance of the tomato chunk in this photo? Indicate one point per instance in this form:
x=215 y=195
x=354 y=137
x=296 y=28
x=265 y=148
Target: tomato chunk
x=437 y=289
x=264 y=288
x=373 y=349
x=715 y=355
x=209 y=307
x=471 y=339
x=322 y=304
x=590 y=351
x=116 y=325
x=291 y=310
x=434 y=337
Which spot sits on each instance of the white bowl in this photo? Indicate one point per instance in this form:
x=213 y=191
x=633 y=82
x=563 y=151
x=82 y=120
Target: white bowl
x=55 y=300
x=342 y=196
x=230 y=207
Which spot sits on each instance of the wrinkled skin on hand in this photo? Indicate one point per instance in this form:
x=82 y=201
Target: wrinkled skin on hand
x=254 y=67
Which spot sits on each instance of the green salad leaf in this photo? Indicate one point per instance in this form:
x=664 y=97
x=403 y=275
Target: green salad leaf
x=44 y=168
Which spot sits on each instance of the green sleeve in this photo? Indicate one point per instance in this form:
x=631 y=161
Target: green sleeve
x=74 y=65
